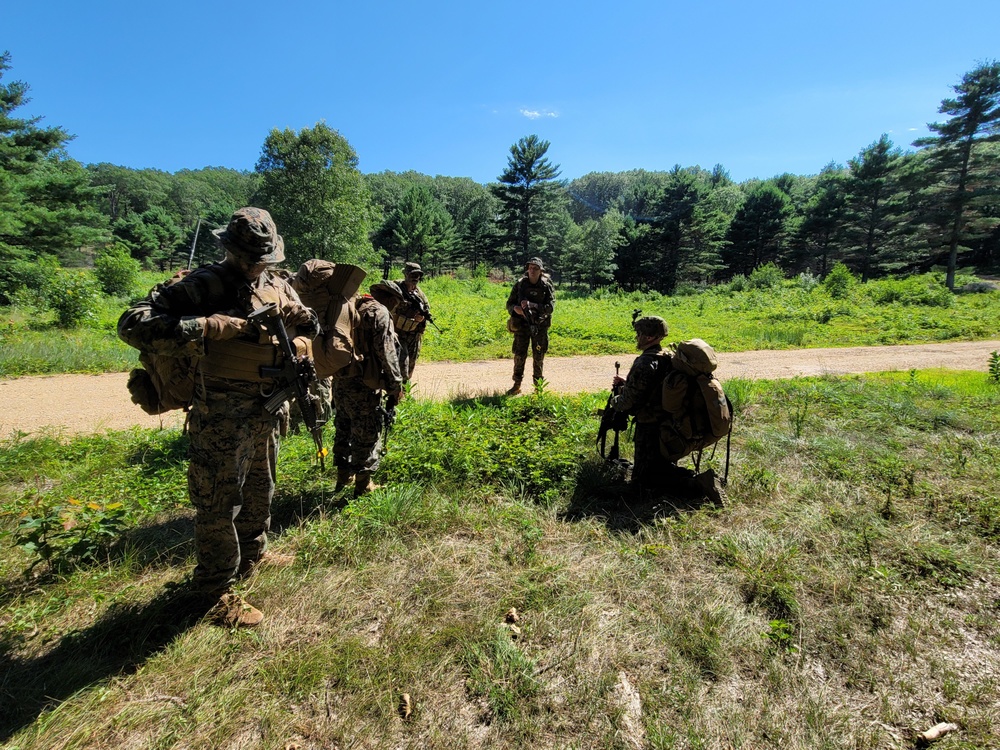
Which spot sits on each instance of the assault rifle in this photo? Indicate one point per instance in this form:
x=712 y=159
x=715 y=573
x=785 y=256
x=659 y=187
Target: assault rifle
x=612 y=420
x=388 y=416
x=293 y=377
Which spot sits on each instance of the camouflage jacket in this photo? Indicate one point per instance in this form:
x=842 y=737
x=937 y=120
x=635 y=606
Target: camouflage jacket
x=414 y=303
x=641 y=395
x=167 y=321
x=542 y=294
x=380 y=345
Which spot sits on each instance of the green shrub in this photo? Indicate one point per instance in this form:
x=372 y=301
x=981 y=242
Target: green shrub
x=913 y=290
x=767 y=276
x=839 y=282
x=27 y=275
x=117 y=271
x=74 y=297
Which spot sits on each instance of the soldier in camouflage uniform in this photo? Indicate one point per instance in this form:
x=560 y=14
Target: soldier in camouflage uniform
x=409 y=317
x=530 y=305
x=640 y=396
x=233 y=438
x=358 y=420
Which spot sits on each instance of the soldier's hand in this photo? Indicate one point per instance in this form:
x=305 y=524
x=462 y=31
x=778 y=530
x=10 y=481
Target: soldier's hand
x=303 y=346
x=220 y=327
x=618 y=380
x=399 y=395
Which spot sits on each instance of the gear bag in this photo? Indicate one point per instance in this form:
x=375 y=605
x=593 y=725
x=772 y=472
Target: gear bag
x=697 y=412
x=329 y=289
x=163 y=382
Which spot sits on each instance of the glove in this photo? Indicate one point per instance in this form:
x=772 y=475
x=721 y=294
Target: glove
x=220 y=327
x=303 y=346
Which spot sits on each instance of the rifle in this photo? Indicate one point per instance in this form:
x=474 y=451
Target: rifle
x=611 y=419
x=388 y=415
x=293 y=376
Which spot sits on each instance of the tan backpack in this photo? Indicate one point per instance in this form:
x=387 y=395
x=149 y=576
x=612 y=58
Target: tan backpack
x=329 y=289
x=163 y=382
x=698 y=413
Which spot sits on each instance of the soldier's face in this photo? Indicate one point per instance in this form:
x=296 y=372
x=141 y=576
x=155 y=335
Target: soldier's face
x=534 y=273
x=250 y=270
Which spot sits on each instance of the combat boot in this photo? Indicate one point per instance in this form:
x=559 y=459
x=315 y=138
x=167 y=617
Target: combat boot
x=363 y=483
x=233 y=611
x=514 y=389
x=345 y=478
x=711 y=485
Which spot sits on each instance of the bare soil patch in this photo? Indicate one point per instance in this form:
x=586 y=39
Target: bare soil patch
x=72 y=404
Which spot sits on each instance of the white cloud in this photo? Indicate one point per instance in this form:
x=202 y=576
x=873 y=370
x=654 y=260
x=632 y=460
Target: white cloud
x=534 y=114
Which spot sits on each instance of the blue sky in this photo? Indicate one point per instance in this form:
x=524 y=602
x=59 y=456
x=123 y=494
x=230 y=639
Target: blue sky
x=760 y=86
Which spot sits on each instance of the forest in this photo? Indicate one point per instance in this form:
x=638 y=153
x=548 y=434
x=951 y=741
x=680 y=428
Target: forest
x=889 y=211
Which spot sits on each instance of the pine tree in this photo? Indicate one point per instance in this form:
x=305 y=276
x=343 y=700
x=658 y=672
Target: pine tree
x=527 y=193
x=956 y=157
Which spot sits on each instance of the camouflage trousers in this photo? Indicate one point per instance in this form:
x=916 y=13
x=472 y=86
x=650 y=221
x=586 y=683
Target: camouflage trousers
x=539 y=341
x=233 y=454
x=648 y=468
x=357 y=441
x=409 y=350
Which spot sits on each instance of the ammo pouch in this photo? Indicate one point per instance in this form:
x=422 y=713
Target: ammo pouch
x=404 y=324
x=517 y=324
x=236 y=359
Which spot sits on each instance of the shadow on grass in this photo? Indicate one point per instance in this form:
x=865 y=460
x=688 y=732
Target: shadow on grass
x=601 y=492
x=119 y=642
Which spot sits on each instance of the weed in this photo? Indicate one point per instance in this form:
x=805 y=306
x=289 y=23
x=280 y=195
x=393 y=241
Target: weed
x=64 y=535
x=993 y=367
x=781 y=634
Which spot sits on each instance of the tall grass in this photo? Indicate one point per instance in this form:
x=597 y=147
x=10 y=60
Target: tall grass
x=843 y=596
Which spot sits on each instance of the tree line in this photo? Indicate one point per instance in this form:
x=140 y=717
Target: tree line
x=887 y=211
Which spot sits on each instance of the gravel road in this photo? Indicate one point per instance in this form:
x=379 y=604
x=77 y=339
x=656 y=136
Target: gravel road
x=70 y=404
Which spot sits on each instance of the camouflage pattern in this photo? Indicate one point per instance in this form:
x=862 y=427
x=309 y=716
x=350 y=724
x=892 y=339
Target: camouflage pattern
x=357 y=423
x=543 y=295
x=252 y=236
x=233 y=455
x=234 y=440
x=322 y=389
x=411 y=334
x=409 y=351
x=640 y=397
x=539 y=341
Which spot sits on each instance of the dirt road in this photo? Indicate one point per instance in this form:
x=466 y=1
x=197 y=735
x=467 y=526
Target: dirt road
x=94 y=403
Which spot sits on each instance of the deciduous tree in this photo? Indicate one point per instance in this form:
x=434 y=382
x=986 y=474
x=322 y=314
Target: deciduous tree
x=311 y=185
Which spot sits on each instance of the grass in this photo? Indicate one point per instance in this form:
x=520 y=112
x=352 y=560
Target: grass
x=472 y=319
x=845 y=594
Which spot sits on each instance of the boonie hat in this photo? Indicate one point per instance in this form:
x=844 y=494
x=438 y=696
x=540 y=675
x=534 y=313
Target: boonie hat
x=535 y=262
x=651 y=325
x=252 y=236
x=412 y=269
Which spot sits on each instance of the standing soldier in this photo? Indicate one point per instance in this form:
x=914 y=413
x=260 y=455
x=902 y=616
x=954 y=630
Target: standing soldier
x=358 y=419
x=410 y=315
x=233 y=437
x=530 y=305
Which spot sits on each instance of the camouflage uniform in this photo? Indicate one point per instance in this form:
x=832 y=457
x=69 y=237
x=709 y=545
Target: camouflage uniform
x=409 y=331
x=534 y=331
x=357 y=422
x=233 y=438
x=640 y=397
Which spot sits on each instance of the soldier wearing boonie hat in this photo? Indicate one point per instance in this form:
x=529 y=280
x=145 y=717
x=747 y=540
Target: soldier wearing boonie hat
x=233 y=437
x=410 y=312
x=530 y=305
